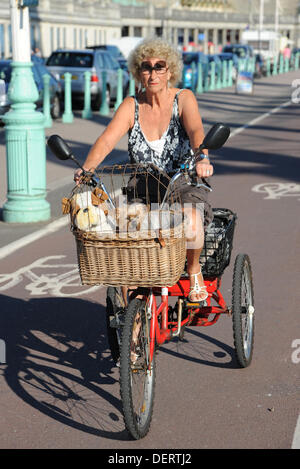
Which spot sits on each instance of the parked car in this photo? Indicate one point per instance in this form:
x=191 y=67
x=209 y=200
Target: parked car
x=188 y=59
x=214 y=58
x=38 y=70
x=243 y=51
x=260 y=66
x=227 y=56
x=94 y=60
x=115 y=52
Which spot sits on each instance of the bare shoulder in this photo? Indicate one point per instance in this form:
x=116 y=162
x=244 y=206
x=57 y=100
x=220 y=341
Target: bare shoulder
x=126 y=110
x=186 y=99
x=128 y=103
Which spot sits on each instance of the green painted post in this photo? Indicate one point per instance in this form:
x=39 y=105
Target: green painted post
x=206 y=78
x=131 y=85
x=229 y=77
x=292 y=62
x=183 y=77
x=46 y=101
x=119 y=89
x=219 y=77
x=25 y=151
x=224 y=74
x=247 y=65
x=68 y=117
x=297 y=61
x=212 y=85
x=275 y=65
x=104 y=108
x=87 y=111
x=286 y=64
x=193 y=79
x=280 y=64
x=199 y=87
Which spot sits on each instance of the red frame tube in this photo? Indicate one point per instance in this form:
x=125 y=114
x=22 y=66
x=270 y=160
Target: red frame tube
x=162 y=331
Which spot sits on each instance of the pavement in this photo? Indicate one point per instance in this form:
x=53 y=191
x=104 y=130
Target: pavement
x=81 y=134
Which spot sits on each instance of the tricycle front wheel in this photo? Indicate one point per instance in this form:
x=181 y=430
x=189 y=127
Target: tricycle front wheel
x=243 y=310
x=137 y=371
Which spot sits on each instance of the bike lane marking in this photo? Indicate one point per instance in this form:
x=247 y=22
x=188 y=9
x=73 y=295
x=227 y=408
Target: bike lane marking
x=296 y=439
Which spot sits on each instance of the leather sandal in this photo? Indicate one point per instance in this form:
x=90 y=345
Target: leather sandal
x=196 y=288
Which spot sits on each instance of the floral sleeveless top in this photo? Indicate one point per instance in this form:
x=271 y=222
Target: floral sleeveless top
x=176 y=148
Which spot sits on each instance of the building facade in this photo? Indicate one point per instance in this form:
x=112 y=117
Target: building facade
x=207 y=24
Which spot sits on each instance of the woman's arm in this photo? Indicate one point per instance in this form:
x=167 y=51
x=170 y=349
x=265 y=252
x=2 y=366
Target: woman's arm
x=120 y=124
x=192 y=123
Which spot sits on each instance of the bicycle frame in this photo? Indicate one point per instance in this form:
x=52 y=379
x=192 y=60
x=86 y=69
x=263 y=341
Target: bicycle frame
x=162 y=329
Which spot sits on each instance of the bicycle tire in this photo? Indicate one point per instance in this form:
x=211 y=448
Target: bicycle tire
x=137 y=413
x=243 y=310
x=113 y=335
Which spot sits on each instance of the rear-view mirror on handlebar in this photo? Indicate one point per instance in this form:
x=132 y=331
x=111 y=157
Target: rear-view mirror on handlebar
x=216 y=137
x=61 y=149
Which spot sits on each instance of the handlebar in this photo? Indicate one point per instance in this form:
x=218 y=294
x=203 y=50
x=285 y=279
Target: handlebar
x=190 y=175
x=62 y=151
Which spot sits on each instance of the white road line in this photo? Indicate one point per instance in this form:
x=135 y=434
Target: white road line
x=259 y=118
x=58 y=224
x=48 y=229
x=296 y=439
x=22 y=242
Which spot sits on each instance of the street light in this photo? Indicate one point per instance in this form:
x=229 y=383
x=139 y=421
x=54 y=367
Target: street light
x=24 y=129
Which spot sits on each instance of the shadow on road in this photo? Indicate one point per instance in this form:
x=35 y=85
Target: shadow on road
x=202 y=349
x=58 y=362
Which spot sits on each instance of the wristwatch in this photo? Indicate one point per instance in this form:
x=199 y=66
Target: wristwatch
x=201 y=157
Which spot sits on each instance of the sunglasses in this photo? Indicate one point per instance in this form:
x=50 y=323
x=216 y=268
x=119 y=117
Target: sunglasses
x=160 y=68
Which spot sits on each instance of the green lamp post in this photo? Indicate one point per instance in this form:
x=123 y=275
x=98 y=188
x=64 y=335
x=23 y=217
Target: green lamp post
x=24 y=130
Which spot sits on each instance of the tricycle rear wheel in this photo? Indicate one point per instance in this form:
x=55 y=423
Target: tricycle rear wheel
x=243 y=310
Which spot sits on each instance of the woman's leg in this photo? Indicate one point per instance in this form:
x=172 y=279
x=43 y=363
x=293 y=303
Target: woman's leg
x=195 y=239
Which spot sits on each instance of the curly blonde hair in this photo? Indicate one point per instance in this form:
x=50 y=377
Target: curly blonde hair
x=155 y=47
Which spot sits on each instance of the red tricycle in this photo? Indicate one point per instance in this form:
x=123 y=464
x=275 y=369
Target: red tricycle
x=135 y=332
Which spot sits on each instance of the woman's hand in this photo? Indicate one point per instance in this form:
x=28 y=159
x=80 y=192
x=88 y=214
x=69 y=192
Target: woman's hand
x=77 y=176
x=204 y=169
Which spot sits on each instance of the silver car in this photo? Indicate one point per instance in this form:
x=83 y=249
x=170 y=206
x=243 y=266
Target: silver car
x=77 y=62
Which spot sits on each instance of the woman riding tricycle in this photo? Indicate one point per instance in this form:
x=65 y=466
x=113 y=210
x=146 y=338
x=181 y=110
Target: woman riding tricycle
x=165 y=134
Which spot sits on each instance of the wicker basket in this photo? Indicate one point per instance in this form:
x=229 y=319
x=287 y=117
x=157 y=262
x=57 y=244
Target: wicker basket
x=116 y=246
x=132 y=262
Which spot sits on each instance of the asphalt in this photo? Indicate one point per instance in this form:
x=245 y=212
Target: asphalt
x=223 y=104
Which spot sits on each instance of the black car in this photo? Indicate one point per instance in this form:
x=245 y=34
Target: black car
x=38 y=70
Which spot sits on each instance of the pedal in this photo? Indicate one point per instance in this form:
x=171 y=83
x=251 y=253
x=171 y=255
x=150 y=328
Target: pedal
x=198 y=304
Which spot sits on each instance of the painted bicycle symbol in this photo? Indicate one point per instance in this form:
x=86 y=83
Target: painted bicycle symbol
x=276 y=190
x=48 y=279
